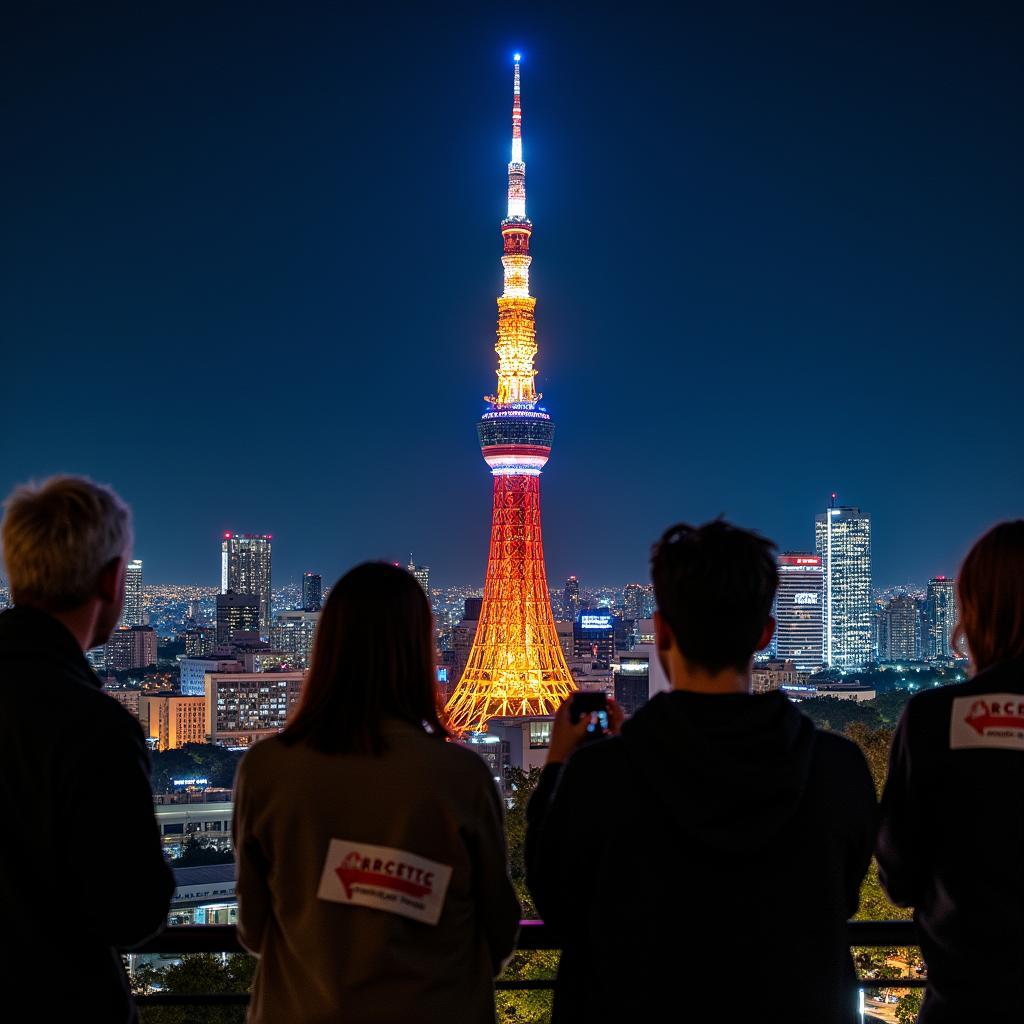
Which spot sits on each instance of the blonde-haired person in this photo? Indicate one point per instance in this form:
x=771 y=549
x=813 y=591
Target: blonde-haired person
x=81 y=870
x=952 y=839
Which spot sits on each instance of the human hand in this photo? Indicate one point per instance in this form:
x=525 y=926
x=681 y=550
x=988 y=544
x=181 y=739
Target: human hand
x=566 y=735
x=616 y=716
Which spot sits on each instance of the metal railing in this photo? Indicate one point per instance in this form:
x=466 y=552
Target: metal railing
x=533 y=935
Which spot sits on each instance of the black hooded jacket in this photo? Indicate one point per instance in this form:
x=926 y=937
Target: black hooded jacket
x=951 y=843
x=707 y=860
x=81 y=871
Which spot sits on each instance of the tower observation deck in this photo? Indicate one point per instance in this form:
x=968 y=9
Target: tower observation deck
x=515 y=666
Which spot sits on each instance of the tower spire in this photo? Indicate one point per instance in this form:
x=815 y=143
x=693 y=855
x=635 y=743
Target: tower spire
x=516 y=167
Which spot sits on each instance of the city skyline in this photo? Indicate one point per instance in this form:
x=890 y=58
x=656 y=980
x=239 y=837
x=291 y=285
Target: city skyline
x=735 y=223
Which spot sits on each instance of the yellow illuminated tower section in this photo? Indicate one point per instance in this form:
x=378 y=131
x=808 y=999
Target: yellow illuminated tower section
x=516 y=666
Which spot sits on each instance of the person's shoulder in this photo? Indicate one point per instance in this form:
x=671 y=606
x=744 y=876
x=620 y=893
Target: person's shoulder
x=836 y=748
x=264 y=755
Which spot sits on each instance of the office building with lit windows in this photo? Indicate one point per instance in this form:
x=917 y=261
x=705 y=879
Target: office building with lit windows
x=941 y=614
x=421 y=574
x=131 y=647
x=901 y=638
x=170 y=721
x=294 y=633
x=312 y=591
x=238 y=618
x=571 y=598
x=842 y=536
x=134 y=611
x=244 y=707
x=799 y=611
x=245 y=569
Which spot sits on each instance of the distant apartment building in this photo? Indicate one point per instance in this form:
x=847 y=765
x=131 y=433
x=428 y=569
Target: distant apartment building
x=312 y=591
x=900 y=640
x=245 y=562
x=843 y=542
x=462 y=637
x=171 y=720
x=244 y=707
x=941 y=614
x=294 y=632
x=192 y=672
x=638 y=601
x=799 y=611
x=134 y=612
x=199 y=641
x=775 y=674
x=126 y=696
x=131 y=647
x=238 y=617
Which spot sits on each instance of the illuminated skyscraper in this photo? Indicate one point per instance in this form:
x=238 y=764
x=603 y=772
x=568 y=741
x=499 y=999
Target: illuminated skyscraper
x=842 y=538
x=312 y=591
x=245 y=569
x=902 y=630
x=571 y=598
x=637 y=601
x=941 y=613
x=422 y=574
x=516 y=666
x=238 y=617
x=799 y=611
x=134 y=612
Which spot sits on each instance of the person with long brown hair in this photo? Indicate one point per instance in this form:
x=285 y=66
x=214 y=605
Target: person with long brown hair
x=952 y=839
x=372 y=870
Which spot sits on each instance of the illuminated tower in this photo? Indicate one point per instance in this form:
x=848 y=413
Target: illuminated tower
x=516 y=666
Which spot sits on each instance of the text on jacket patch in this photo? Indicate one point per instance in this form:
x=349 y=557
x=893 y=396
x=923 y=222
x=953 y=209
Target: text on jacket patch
x=383 y=878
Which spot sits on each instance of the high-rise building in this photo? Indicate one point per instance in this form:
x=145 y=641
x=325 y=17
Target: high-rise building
x=516 y=666
x=238 y=617
x=134 y=612
x=131 y=647
x=902 y=630
x=941 y=614
x=594 y=637
x=799 y=611
x=245 y=569
x=638 y=601
x=312 y=591
x=294 y=633
x=571 y=598
x=199 y=641
x=422 y=575
x=842 y=536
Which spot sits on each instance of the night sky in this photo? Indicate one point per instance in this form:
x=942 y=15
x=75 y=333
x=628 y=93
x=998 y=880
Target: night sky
x=250 y=260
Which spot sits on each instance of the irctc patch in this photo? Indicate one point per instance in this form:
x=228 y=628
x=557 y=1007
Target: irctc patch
x=395 y=881
x=990 y=720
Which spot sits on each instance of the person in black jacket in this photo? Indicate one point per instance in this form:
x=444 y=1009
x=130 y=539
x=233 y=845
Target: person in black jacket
x=951 y=843
x=706 y=859
x=81 y=870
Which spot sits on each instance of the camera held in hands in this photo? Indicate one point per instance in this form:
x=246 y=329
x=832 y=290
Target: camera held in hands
x=594 y=705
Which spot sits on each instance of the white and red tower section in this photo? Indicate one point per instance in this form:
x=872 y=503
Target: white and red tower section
x=516 y=666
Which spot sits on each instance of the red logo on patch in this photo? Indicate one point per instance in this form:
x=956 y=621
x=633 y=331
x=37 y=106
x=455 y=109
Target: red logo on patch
x=999 y=716
x=356 y=869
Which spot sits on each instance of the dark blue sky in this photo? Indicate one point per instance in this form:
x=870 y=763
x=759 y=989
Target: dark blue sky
x=250 y=260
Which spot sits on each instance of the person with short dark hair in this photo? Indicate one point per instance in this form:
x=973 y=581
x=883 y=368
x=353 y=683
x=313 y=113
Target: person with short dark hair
x=82 y=875
x=707 y=857
x=951 y=843
x=373 y=877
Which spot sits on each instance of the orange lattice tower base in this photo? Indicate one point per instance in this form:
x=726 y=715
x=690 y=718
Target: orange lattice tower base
x=516 y=666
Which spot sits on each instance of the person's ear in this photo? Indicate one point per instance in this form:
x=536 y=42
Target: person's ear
x=110 y=581
x=766 y=634
x=663 y=637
